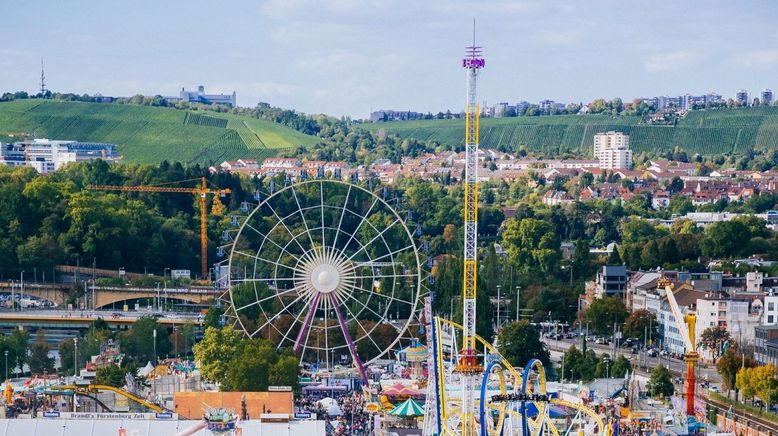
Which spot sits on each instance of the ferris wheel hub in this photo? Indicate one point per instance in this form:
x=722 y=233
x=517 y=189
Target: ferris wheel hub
x=325 y=278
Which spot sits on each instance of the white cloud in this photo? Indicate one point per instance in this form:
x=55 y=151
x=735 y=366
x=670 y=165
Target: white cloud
x=671 y=61
x=758 y=59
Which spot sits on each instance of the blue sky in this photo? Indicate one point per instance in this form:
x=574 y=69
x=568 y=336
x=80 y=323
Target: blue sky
x=346 y=57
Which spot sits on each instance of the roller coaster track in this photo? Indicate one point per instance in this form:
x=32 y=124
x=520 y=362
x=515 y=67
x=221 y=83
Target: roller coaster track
x=122 y=392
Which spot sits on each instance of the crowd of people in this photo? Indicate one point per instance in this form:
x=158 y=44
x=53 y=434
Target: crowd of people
x=352 y=420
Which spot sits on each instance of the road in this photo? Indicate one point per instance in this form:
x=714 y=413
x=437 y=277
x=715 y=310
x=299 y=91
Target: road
x=111 y=317
x=639 y=361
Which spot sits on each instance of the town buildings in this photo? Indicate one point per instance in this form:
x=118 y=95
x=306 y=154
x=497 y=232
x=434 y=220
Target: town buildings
x=390 y=115
x=200 y=96
x=611 y=149
x=47 y=155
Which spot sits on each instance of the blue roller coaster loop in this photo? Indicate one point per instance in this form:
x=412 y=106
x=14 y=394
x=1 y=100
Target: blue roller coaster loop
x=484 y=387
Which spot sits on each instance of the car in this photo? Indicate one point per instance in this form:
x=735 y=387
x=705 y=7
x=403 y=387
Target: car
x=663 y=353
x=652 y=352
x=599 y=341
x=715 y=389
x=759 y=403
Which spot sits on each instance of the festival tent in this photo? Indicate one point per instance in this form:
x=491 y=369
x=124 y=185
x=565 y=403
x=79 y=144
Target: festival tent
x=398 y=390
x=146 y=370
x=408 y=408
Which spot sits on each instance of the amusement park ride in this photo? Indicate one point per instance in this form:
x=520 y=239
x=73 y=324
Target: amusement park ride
x=686 y=327
x=332 y=270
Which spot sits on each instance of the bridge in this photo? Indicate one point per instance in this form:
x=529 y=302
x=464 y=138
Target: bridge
x=102 y=296
x=83 y=319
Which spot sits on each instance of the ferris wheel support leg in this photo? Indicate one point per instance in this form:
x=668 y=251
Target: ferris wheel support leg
x=350 y=342
x=306 y=323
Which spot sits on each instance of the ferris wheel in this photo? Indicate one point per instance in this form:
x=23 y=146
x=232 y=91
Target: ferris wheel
x=328 y=269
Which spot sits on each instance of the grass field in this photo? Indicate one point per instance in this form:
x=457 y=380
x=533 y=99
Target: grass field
x=150 y=134
x=706 y=132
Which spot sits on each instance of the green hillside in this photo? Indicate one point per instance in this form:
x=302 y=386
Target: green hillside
x=147 y=134
x=705 y=132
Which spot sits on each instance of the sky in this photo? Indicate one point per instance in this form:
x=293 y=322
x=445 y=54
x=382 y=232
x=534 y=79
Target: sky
x=348 y=57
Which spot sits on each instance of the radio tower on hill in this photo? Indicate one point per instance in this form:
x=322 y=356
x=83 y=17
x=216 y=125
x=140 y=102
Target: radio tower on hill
x=43 y=81
x=468 y=365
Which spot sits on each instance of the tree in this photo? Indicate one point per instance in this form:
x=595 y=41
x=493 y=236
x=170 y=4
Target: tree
x=641 y=323
x=139 y=342
x=603 y=367
x=620 y=367
x=213 y=317
x=257 y=364
x=614 y=258
x=571 y=359
x=519 y=342
x=114 y=375
x=716 y=339
x=745 y=382
x=39 y=360
x=604 y=313
x=215 y=352
x=660 y=383
x=532 y=244
x=765 y=382
x=728 y=366
x=582 y=262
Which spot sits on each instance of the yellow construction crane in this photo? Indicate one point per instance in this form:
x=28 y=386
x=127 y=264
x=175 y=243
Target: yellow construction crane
x=201 y=191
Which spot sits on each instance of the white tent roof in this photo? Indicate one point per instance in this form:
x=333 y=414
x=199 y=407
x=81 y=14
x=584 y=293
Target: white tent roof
x=330 y=406
x=146 y=370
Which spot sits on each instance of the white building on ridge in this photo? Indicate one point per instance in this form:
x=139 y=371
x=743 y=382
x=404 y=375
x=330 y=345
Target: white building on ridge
x=612 y=150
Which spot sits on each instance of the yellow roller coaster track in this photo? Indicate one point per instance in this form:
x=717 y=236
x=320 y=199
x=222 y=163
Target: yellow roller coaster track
x=122 y=392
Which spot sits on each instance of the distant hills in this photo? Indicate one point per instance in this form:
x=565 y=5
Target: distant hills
x=146 y=134
x=709 y=132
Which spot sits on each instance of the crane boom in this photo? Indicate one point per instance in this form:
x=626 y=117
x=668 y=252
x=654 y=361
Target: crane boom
x=201 y=192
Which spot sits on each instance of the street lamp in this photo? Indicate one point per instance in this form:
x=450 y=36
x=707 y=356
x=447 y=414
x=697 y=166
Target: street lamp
x=6 y=364
x=21 y=289
x=498 y=308
x=607 y=361
x=155 y=346
x=518 y=295
x=75 y=358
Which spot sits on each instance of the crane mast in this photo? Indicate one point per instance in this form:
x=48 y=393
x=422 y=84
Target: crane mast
x=468 y=365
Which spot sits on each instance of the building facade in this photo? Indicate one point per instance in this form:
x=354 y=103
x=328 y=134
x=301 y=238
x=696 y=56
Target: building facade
x=47 y=155
x=200 y=96
x=611 y=149
x=766 y=344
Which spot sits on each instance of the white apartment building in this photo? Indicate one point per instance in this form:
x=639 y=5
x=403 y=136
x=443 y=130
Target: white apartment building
x=47 y=155
x=739 y=316
x=611 y=149
x=770 y=313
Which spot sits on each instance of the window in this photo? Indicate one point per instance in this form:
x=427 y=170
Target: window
x=769 y=319
x=771 y=306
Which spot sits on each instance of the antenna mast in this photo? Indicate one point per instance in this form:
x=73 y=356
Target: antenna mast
x=43 y=81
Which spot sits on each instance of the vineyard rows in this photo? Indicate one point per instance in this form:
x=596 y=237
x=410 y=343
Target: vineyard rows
x=205 y=120
x=704 y=132
x=150 y=135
